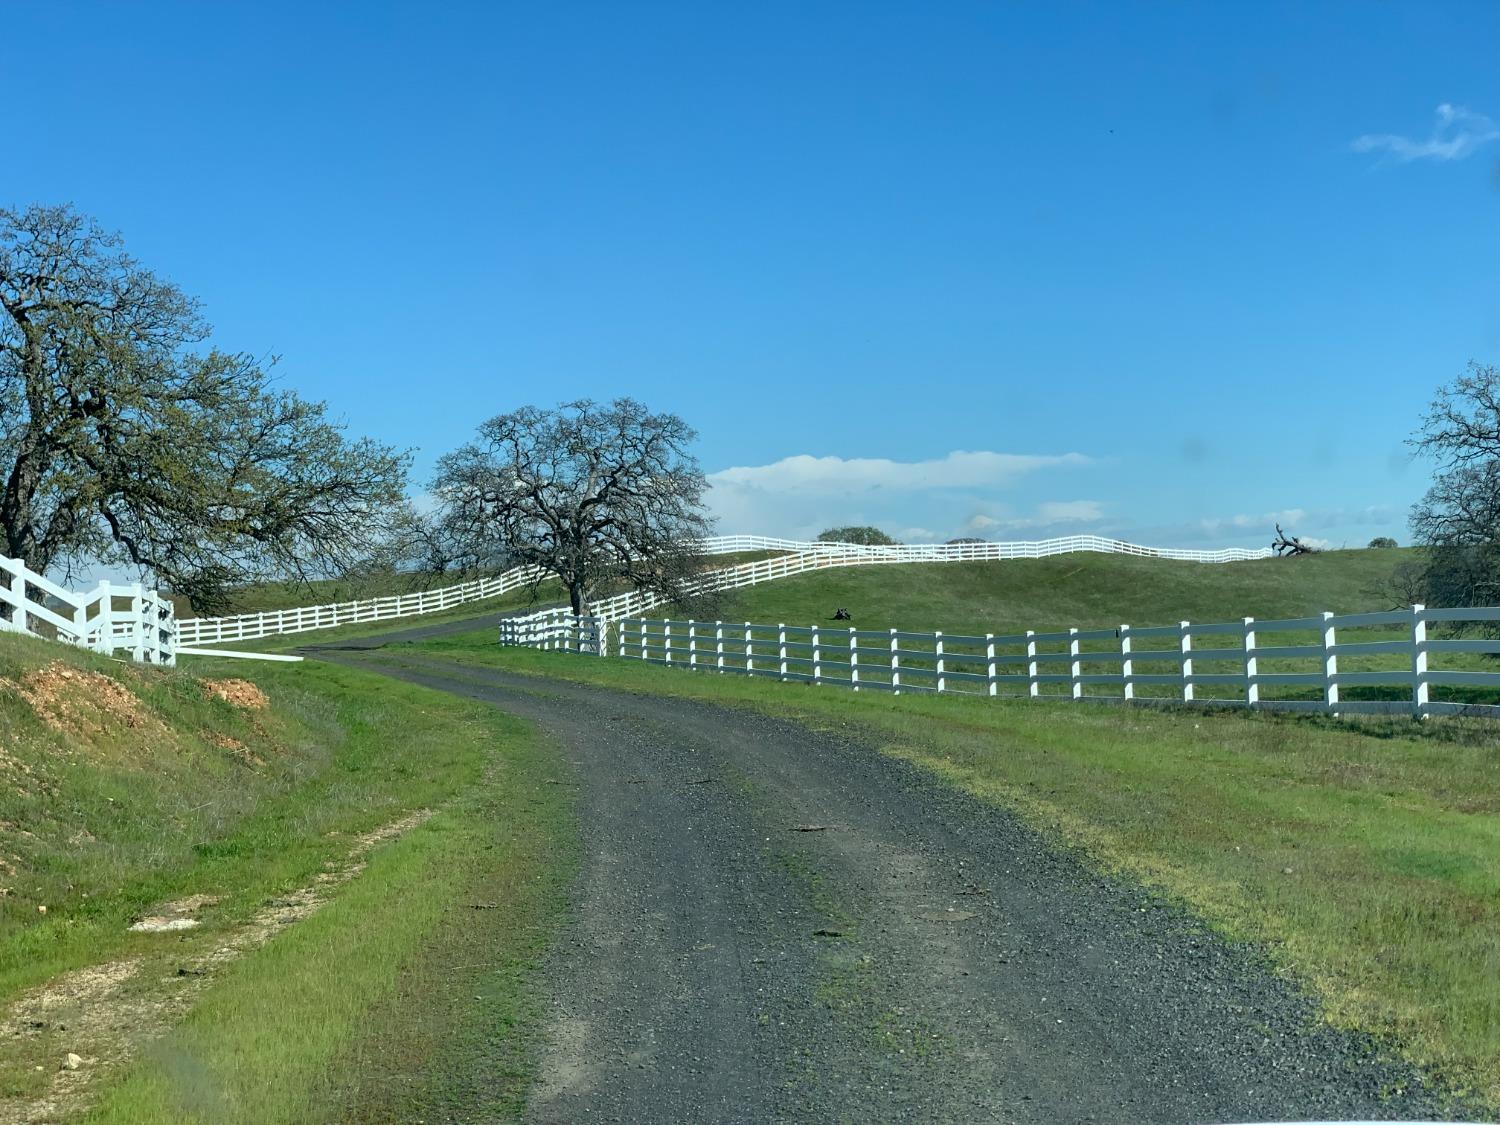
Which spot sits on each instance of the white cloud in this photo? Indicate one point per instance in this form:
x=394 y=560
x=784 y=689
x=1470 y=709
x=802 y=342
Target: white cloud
x=1457 y=133
x=1070 y=511
x=801 y=495
x=1049 y=515
x=839 y=475
x=1286 y=517
x=916 y=535
x=1342 y=525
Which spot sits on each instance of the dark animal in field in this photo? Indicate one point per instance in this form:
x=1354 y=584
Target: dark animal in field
x=842 y=614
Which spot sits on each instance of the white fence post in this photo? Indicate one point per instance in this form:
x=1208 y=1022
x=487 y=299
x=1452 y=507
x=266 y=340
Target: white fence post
x=895 y=664
x=1127 y=665
x=1252 y=666
x=1075 y=667
x=719 y=645
x=1185 y=647
x=666 y=640
x=1033 y=687
x=781 y=647
x=937 y=650
x=81 y=622
x=1330 y=666
x=749 y=650
x=18 y=591
x=989 y=656
x=642 y=638
x=692 y=645
x=817 y=655
x=138 y=622
x=853 y=659
x=1419 y=689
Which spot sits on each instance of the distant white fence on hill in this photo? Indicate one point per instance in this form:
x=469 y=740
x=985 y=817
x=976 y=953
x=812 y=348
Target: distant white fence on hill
x=798 y=557
x=143 y=625
x=303 y=619
x=965 y=552
x=1218 y=664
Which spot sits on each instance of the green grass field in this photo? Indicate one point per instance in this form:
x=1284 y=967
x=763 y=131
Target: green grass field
x=264 y=597
x=1097 y=592
x=1365 y=857
x=1084 y=590
x=167 y=792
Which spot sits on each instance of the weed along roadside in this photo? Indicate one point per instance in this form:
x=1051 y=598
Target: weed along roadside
x=231 y=888
x=1360 y=856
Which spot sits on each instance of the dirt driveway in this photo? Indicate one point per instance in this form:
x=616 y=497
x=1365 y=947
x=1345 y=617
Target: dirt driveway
x=773 y=923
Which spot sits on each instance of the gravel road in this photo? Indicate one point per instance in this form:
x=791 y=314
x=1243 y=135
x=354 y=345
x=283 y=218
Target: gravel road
x=775 y=923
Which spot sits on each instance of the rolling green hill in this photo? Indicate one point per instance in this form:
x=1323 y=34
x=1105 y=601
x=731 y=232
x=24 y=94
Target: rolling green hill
x=264 y=597
x=1086 y=590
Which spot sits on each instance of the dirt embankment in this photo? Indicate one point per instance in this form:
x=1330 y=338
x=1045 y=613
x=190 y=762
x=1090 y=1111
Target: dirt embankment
x=86 y=1024
x=103 y=772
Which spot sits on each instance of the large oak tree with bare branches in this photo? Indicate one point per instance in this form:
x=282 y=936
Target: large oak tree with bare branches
x=1459 y=517
x=589 y=492
x=122 y=444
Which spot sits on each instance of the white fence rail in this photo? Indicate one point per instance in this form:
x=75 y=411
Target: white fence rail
x=143 y=625
x=1362 y=663
x=247 y=626
x=812 y=556
x=959 y=552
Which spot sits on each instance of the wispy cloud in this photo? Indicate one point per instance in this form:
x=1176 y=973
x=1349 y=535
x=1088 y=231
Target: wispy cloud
x=1049 y=515
x=1346 y=525
x=839 y=475
x=1458 y=132
x=914 y=500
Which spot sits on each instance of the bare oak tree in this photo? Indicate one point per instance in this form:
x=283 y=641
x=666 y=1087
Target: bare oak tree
x=1458 y=520
x=122 y=445
x=590 y=493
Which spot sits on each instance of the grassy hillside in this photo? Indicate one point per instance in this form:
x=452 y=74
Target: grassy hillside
x=264 y=597
x=308 y=834
x=1086 y=590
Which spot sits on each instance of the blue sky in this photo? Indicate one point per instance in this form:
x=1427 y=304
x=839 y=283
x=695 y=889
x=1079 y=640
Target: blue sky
x=1158 y=271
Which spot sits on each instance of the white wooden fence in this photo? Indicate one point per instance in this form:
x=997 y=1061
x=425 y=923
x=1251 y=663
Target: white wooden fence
x=145 y=624
x=799 y=556
x=822 y=556
x=1334 y=663
x=959 y=552
x=109 y=618
x=217 y=630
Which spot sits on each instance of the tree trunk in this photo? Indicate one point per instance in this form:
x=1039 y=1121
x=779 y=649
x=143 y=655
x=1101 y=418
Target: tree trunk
x=575 y=595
